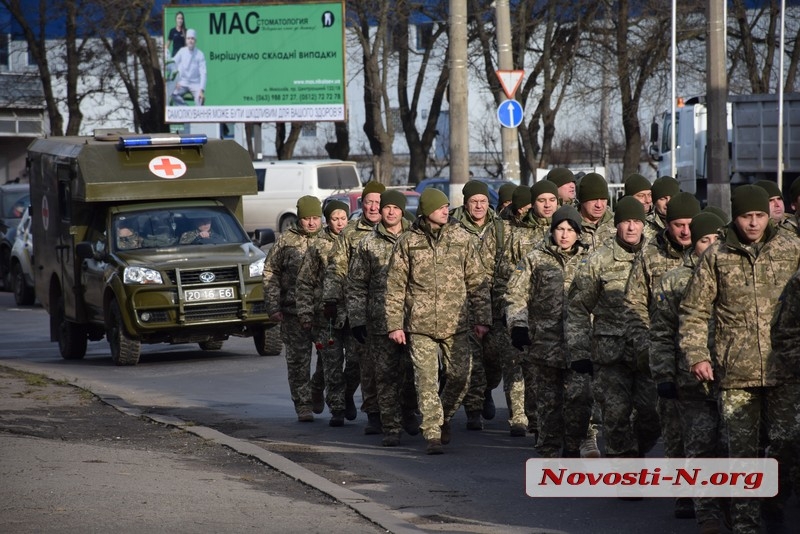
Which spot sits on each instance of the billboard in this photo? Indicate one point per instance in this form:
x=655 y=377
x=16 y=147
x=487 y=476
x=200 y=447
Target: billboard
x=255 y=62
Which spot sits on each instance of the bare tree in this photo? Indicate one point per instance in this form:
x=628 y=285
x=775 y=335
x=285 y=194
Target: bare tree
x=285 y=143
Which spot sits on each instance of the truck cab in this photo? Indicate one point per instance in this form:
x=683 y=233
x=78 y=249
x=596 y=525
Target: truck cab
x=139 y=239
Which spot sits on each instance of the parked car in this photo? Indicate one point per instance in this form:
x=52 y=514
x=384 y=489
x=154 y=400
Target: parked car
x=412 y=202
x=21 y=263
x=14 y=198
x=443 y=184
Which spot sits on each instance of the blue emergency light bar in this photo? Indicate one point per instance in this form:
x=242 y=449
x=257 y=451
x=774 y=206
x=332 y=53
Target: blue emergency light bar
x=143 y=141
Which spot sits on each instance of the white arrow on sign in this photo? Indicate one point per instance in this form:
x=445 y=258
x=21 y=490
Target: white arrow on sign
x=510 y=80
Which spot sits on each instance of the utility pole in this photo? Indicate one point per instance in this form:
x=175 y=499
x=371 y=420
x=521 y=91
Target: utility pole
x=718 y=179
x=505 y=61
x=459 y=116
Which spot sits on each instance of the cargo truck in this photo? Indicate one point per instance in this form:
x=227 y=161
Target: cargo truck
x=117 y=248
x=752 y=141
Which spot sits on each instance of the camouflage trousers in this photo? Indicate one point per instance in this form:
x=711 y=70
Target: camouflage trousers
x=332 y=356
x=514 y=385
x=627 y=400
x=394 y=377
x=670 y=419
x=298 y=342
x=700 y=428
x=529 y=397
x=487 y=367
x=744 y=413
x=456 y=362
x=369 y=387
x=564 y=408
x=353 y=352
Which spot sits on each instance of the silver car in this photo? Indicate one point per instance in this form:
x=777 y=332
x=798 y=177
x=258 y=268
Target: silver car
x=21 y=261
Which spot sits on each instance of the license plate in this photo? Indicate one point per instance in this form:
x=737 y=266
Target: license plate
x=212 y=293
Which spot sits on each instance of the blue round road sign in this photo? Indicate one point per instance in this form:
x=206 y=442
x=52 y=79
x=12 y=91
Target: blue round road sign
x=509 y=113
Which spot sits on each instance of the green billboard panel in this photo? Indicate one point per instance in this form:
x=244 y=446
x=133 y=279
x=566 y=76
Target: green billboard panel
x=255 y=62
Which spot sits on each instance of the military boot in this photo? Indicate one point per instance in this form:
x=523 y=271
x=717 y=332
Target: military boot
x=317 y=400
x=434 y=446
x=410 y=423
x=489 y=409
x=474 y=421
x=374 y=425
x=446 y=433
x=350 y=411
x=391 y=439
x=337 y=418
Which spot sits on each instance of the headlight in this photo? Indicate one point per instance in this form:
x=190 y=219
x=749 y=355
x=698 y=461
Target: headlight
x=257 y=268
x=141 y=275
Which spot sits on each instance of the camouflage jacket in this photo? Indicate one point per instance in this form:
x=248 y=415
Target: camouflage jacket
x=596 y=319
x=281 y=268
x=740 y=290
x=656 y=258
x=667 y=362
x=336 y=271
x=436 y=285
x=311 y=274
x=594 y=235
x=786 y=330
x=654 y=225
x=537 y=299
x=366 y=279
x=790 y=225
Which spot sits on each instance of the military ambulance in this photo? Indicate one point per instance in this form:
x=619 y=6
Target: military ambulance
x=117 y=250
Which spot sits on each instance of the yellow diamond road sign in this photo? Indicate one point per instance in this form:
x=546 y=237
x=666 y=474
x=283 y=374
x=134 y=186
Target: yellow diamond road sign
x=510 y=80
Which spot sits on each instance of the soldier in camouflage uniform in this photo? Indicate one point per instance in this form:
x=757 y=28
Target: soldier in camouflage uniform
x=565 y=181
x=696 y=402
x=791 y=225
x=785 y=222
x=639 y=187
x=366 y=296
x=596 y=331
x=436 y=290
x=663 y=189
x=537 y=297
x=598 y=220
x=330 y=348
x=667 y=251
x=280 y=284
x=739 y=282
x=504 y=195
x=487 y=353
x=335 y=304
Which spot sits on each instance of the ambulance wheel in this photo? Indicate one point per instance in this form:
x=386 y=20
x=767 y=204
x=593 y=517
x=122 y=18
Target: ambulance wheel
x=124 y=349
x=268 y=341
x=72 y=337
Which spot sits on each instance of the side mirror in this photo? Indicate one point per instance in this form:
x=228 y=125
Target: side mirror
x=84 y=250
x=263 y=236
x=654 y=132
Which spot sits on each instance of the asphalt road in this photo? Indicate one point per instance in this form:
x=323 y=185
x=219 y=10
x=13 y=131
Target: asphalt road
x=477 y=486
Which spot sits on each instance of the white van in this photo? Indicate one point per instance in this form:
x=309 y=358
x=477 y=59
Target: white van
x=281 y=183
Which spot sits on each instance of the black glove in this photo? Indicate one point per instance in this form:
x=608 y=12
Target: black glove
x=519 y=337
x=329 y=310
x=667 y=390
x=360 y=333
x=582 y=366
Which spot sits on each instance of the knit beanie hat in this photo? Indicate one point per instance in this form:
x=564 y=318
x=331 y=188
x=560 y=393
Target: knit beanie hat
x=627 y=208
x=718 y=212
x=431 y=200
x=475 y=187
x=308 y=206
x=770 y=187
x=682 y=206
x=521 y=197
x=393 y=197
x=334 y=205
x=541 y=187
x=569 y=214
x=505 y=192
x=665 y=186
x=704 y=223
x=373 y=187
x=747 y=198
x=794 y=190
x=560 y=176
x=636 y=183
x=592 y=187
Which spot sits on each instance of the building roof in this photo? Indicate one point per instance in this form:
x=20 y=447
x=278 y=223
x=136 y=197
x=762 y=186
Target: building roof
x=21 y=91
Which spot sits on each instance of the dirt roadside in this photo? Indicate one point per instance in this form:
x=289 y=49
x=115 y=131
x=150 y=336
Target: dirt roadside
x=69 y=462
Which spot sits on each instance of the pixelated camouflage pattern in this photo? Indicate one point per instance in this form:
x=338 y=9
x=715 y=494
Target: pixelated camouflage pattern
x=701 y=430
x=596 y=318
x=281 y=268
x=564 y=408
x=656 y=258
x=597 y=234
x=456 y=363
x=654 y=225
x=298 y=342
x=537 y=299
x=740 y=288
x=789 y=225
x=310 y=276
x=336 y=272
x=394 y=377
x=786 y=330
x=488 y=356
x=365 y=284
x=436 y=284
